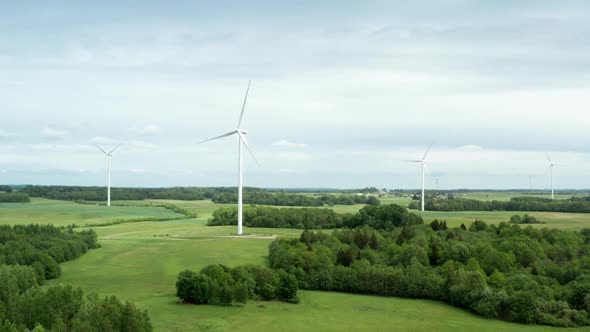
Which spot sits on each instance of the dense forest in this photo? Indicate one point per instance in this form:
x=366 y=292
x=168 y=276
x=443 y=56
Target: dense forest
x=24 y=306
x=221 y=285
x=43 y=247
x=379 y=217
x=508 y=272
x=284 y=199
x=71 y=193
x=5 y=188
x=13 y=197
x=573 y=204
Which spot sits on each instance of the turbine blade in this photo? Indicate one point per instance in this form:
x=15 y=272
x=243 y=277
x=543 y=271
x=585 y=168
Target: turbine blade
x=426 y=169
x=248 y=147
x=244 y=105
x=549 y=158
x=103 y=151
x=113 y=150
x=428 y=150
x=218 y=137
x=413 y=161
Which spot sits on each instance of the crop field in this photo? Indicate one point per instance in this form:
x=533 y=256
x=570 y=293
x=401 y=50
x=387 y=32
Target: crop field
x=139 y=262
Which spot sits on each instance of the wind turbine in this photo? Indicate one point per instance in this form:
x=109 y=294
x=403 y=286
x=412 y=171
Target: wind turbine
x=109 y=155
x=424 y=170
x=241 y=134
x=550 y=168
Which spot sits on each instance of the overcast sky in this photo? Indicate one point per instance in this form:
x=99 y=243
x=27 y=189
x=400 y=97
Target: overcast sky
x=342 y=92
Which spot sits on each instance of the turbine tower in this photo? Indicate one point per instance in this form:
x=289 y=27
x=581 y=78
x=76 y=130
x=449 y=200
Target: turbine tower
x=550 y=169
x=424 y=170
x=241 y=134
x=109 y=155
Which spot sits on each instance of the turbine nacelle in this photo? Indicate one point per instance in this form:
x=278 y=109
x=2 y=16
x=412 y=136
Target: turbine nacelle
x=110 y=153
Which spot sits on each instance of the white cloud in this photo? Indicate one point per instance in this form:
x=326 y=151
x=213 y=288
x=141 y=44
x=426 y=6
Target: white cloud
x=471 y=147
x=53 y=133
x=140 y=144
x=285 y=143
x=5 y=134
x=149 y=130
x=102 y=140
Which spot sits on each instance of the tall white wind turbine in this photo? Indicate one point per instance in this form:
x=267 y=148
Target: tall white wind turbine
x=550 y=169
x=109 y=155
x=424 y=170
x=241 y=134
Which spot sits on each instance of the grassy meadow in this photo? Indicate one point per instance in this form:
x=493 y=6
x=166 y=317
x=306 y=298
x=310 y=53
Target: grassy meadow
x=139 y=262
x=62 y=213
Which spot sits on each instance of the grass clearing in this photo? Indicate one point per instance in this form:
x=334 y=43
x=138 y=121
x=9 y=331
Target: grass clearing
x=569 y=221
x=63 y=213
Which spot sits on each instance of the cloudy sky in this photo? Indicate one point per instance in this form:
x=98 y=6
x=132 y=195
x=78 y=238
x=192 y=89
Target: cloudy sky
x=342 y=92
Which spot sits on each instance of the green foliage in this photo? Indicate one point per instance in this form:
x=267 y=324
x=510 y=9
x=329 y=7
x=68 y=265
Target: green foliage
x=525 y=219
x=288 y=286
x=43 y=247
x=193 y=287
x=289 y=199
x=573 y=204
x=380 y=217
x=12 y=197
x=75 y=193
x=218 y=284
x=506 y=272
x=24 y=306
x=5 y=188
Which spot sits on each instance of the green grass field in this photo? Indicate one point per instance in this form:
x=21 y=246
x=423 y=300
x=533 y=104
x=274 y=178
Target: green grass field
x=506 y=196
x=571 y=221
x=61 y=213
x=139 y=262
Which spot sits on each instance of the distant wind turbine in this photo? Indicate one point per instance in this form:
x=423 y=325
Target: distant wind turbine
x=109 y=155
x=424 y=170
x=241 y=133
x=550 y=169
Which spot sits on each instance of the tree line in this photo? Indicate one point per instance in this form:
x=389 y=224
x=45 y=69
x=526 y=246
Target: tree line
x=573 y=204
x=43 y=247
x=288 y=199
x=221 y=285
x=507 y=272
x=5 y=188
x=80 y=193
x=379 y=217
x=76 y=193
x=14 y=197
x=217 y=195
x=24 y=306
